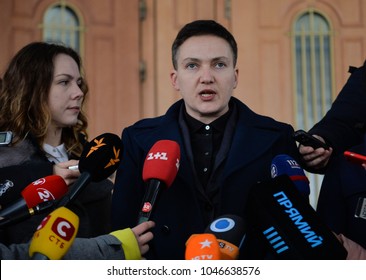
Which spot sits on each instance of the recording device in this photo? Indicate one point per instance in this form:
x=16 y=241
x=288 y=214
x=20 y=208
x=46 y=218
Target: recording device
x=5 y=138
x=355 y=157
x=285 y=165
x=230 y=231
x=288 y=225
x=55 y=235
x=202 y=246
x=36 y=198
x=306 y=139
x=99 y=159
x=160 y=169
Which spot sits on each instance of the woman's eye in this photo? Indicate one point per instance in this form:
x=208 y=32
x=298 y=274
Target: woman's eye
x=220 y=65
x=191 y=66
x=63 y=82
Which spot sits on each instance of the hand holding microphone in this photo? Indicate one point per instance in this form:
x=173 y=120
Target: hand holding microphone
x=55 y=235
x=160 y=169
x=99 y=159
x=68 y=170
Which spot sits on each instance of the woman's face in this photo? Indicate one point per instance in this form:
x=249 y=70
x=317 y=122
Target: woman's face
x=205 y=76
x=65 y=97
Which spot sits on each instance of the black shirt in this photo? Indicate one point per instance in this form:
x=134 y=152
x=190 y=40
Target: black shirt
x=205 y=142
x=208 y=152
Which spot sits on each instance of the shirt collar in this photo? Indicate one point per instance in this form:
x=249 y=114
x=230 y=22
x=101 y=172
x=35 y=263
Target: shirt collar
x=219 y=124
x=56 y=154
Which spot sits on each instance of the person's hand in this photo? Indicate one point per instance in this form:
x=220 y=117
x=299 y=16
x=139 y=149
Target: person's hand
x=315 y=158
x=364 y=165
x=143 y=235
x=354 y=250
x=69 y=175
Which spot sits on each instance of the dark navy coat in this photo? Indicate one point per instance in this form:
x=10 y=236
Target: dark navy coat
x=181 y=209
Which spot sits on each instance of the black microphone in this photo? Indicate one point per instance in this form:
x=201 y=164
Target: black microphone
x=288 y=225
x=99 y=159
x=230 y=231
x=160 y=169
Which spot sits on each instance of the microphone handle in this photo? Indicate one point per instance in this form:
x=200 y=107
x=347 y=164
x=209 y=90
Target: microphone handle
x=18 y=207
x=40 y=208
x=151 y=194
x=81 y=182
x=40 y=257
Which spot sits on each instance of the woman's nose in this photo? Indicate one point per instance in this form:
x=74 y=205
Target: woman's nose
x=206 y=76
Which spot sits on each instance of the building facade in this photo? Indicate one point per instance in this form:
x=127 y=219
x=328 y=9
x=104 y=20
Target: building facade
x=293 y=54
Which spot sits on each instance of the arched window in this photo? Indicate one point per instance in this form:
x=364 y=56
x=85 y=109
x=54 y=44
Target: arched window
x=312 y=49
x=62 y=24
x=313 y=76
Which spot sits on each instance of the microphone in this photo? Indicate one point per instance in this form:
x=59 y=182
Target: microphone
x=288 y=225
x=160 y=169
x=202 y=246
x=55 y=235
x=43 y=191
x=230 y=231
x=286 y=165
x=99 y=159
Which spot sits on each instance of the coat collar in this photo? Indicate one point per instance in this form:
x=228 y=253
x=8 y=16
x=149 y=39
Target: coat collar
x=254 y=135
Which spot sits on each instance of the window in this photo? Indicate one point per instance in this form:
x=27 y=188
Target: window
x=313 y=76
x=312 y=39
x=62 y=24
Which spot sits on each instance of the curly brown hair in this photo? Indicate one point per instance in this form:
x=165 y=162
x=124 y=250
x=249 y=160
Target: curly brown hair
x=24 y=92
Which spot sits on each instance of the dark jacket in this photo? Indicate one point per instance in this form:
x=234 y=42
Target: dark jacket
x=24 y=163
x=183 y=208
x=344 y=185
x=344 y=124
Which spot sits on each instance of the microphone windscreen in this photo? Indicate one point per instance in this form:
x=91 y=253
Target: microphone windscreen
x=286 y=165
x=288 y=225
x=230 y=228
x=101 y=156
x=162 y=162
x=48 y=188
x=202 y=247
x=55 y=235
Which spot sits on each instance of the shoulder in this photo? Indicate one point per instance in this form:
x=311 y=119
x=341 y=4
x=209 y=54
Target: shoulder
x=18 y=154
x=164 y=125
x=251 y=118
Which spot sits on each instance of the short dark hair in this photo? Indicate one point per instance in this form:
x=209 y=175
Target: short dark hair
x=203 y=27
